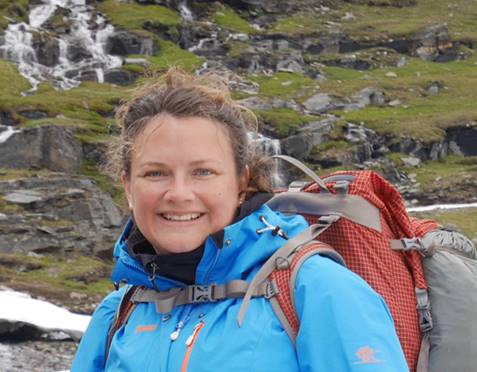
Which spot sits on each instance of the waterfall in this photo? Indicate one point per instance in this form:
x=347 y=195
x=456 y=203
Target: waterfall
x=87 y=36
x=185 y=12
x=270 y=147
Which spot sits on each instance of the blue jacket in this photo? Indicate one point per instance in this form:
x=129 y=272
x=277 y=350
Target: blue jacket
x=344 y=324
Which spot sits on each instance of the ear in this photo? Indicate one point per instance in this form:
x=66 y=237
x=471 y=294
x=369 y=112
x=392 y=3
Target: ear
x=243 y=183
x=127 y=188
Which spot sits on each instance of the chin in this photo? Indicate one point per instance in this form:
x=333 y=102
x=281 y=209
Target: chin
x=176 y=247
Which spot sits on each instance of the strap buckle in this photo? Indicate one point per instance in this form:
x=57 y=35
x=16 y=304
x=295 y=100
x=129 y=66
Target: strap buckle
x=201 y=293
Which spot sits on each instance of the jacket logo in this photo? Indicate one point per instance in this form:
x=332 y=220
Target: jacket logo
x=366 y=355
x=145 y=328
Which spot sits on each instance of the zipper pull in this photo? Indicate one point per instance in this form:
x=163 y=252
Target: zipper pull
x=196 y=330
x=176 y=333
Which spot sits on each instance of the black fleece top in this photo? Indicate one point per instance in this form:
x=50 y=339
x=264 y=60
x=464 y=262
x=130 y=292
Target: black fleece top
x=182 y=266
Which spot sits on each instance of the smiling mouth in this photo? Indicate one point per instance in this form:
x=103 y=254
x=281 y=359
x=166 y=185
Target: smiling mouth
x=181 y=217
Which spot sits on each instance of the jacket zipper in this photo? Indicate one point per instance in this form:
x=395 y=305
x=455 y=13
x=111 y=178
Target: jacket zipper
x=190 y=345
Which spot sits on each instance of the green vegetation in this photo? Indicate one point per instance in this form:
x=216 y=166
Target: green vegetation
x=299 y=24
x=105 y=183
x=228 y=19
x=13 y=9
x=465 y=220
x=82 y=274
x=418 y=115
x=446 y=171
x=286 y=121
x=11 y=82
x=134 y=17
x=384 y=22
x=286 y=85
x=171 y=55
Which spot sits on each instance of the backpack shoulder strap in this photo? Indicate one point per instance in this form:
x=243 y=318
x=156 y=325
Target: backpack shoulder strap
x=124 y=311
x=283 y=303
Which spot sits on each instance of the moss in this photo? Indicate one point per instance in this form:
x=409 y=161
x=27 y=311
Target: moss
x=131 y=16
x=419 y=115
x=465 y=220
x=286 y=85
x=284 y=120
x=237 y=48
x=172 y=55
x=447 y=171
x=228 y=19
x=84 y=107
x=309 y=23
x=13 y=9
x=105 y=183
x=379 y=22
x=57 y=273
x=12 y=83
x=9 y=208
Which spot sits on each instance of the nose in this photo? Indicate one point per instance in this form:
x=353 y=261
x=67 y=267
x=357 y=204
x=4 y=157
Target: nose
x=180 y=189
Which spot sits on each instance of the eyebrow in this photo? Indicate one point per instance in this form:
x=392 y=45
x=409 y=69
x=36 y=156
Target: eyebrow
x=194 y=163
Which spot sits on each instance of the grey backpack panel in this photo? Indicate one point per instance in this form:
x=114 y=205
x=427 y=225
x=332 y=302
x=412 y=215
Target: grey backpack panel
x=452 y=279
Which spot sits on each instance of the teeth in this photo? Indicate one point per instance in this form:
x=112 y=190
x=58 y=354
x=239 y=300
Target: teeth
x=181 y=217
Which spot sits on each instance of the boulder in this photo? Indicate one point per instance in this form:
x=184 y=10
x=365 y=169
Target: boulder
x=47 y=49
x=50 y=147
x=57 y=214
x=123 y=43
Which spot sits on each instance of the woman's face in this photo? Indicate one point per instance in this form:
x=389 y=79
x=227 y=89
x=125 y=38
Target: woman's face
x=183 y=184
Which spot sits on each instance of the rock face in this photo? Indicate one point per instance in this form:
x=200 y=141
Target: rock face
x=58 y=214
x=49 y=147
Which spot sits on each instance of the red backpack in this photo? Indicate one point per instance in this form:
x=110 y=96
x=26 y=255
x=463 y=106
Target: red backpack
x=355 y=213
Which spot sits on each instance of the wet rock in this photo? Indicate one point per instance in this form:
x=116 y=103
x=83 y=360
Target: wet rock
x=34 y=114
x=49 y=147
x=6 y=119
x=77 y=50
x=47 y=49
x=435 y=44
x=464 y=139
x=123 y=43
x=119 y=77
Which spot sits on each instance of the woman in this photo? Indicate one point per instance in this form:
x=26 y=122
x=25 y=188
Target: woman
x=196 y=194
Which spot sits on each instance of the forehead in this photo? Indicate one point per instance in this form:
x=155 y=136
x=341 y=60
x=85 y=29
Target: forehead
x=166 y=134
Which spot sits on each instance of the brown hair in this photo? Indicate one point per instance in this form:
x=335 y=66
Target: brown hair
x=182 y=95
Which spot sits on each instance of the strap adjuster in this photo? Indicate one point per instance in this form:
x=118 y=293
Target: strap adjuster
x=201 y=293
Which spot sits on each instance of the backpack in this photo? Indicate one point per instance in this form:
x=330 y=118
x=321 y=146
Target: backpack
x=359 y=219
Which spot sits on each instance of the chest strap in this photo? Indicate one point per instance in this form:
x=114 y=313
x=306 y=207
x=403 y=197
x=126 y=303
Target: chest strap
x=168 y=300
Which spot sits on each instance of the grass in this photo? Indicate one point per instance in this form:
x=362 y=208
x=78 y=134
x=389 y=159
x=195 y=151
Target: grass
x=419 y=115
x=465 y=220
x=171 y=55
x=81 y=274
x=284 y=120
x=225 y=17
x=298 y=24
x=84 y=107
x=105 y=183
x=285 y=85
x=385 y=22
x=446 y=171
x=13 y=9
x=131 y=16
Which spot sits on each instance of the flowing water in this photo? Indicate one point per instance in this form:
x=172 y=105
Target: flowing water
x=88 y=33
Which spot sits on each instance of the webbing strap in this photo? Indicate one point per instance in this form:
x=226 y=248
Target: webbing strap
x=168 y=300
x=279 y=258
x=352 y=207
x=305 y=170
x=423 y=358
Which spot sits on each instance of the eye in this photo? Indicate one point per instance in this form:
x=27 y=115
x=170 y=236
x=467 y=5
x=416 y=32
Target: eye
x=203 y=172
x=155 y=173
